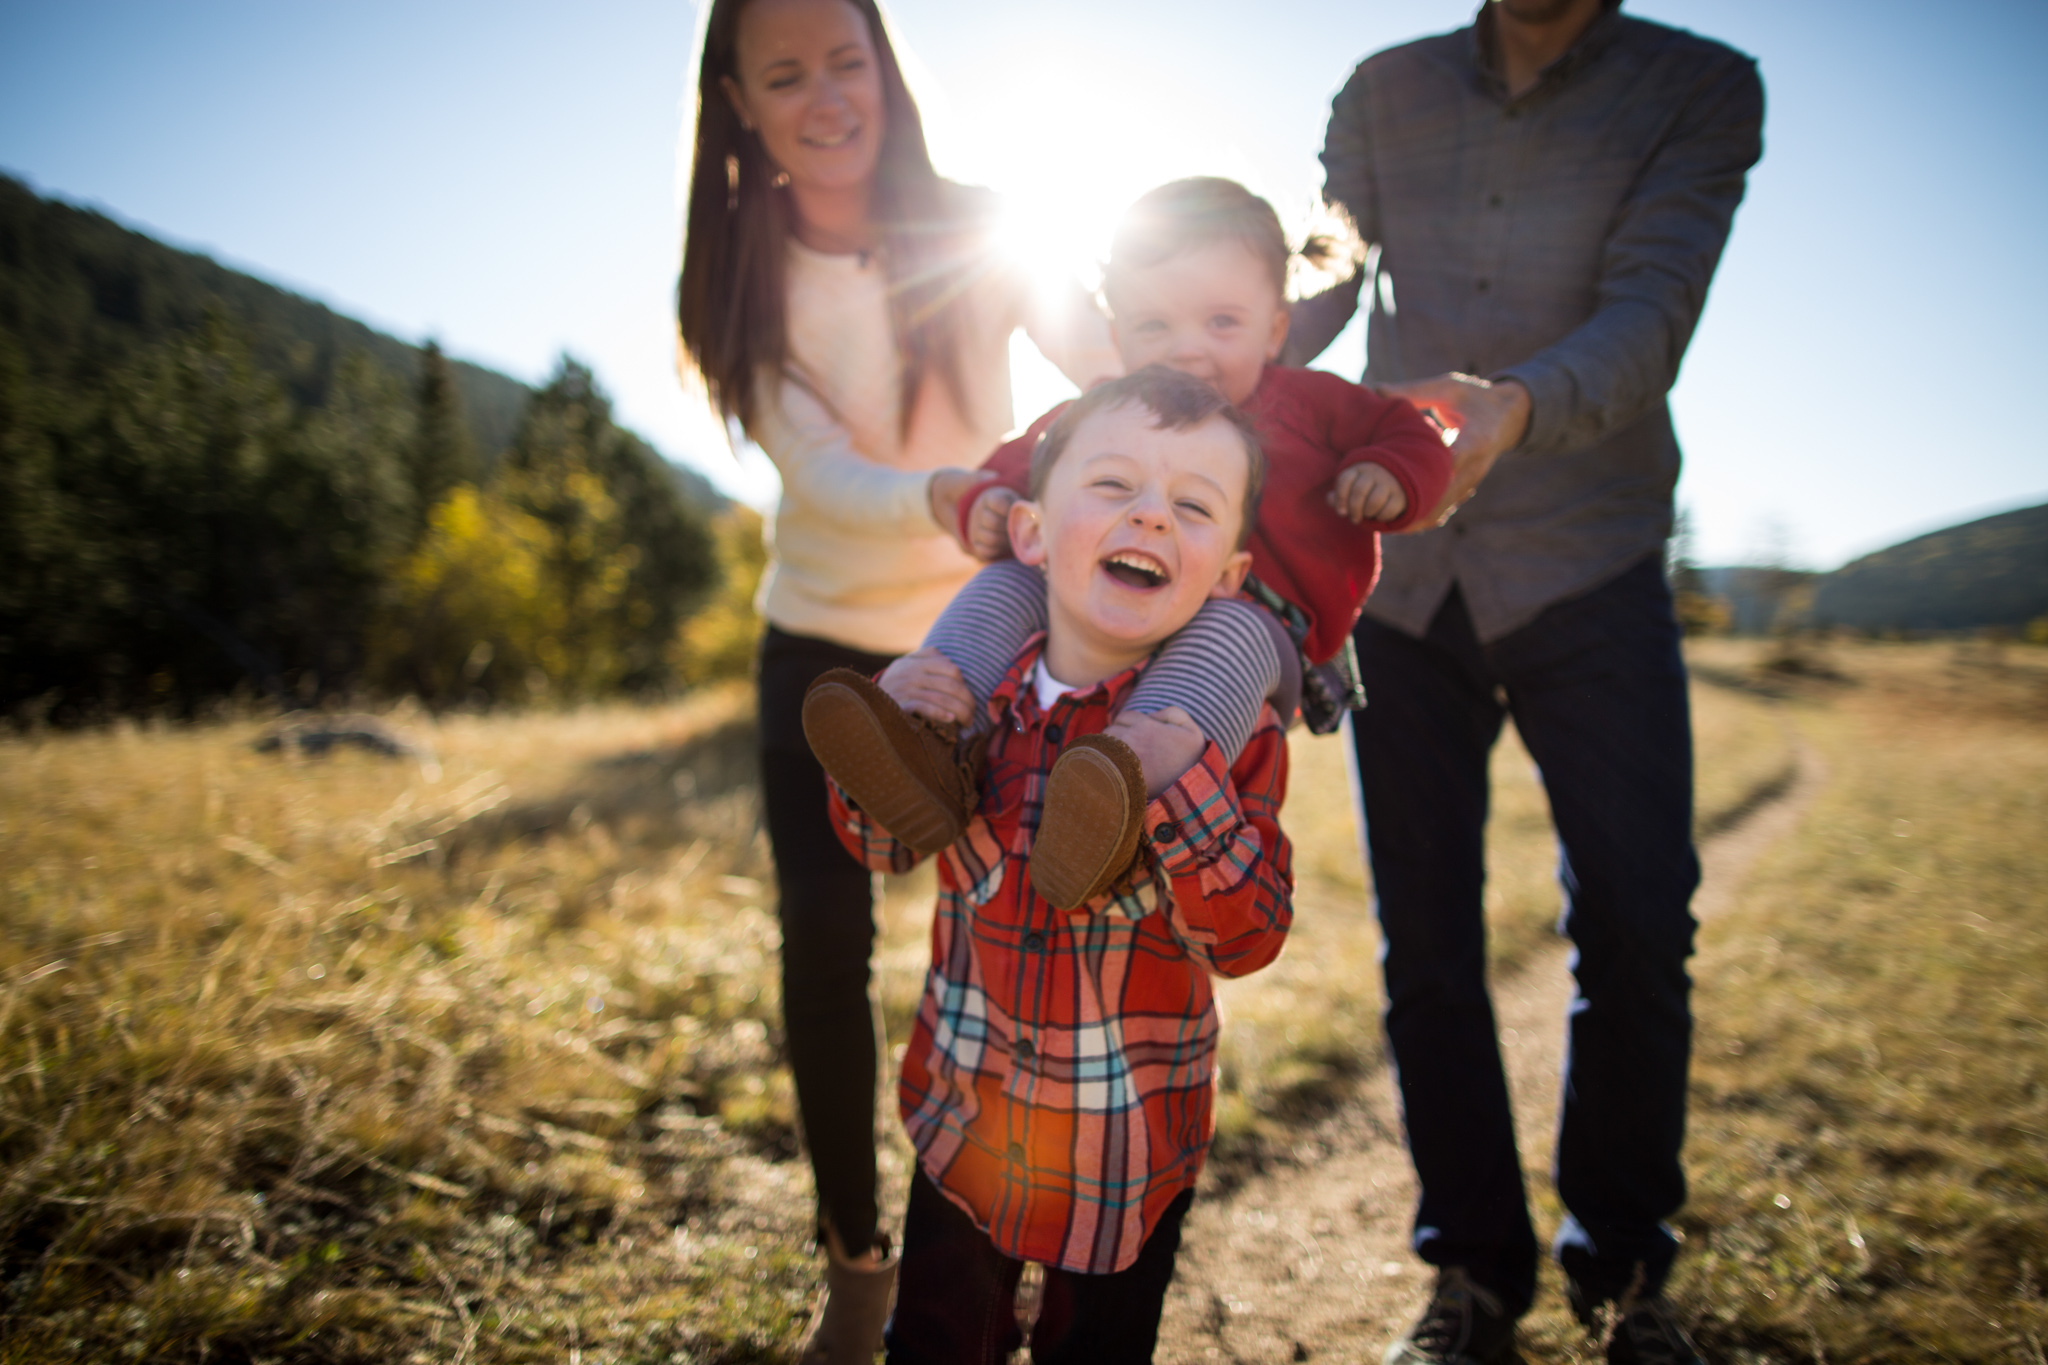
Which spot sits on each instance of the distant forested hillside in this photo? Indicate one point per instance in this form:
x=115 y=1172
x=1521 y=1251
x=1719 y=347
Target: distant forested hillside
x=1992 y=572
x=85 y=294
x=209 y=486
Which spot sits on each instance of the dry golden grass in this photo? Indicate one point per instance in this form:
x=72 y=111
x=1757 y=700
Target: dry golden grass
x=1305 y=1032
x=1870 y=1131
x=354 y=1060
x=345 y=1060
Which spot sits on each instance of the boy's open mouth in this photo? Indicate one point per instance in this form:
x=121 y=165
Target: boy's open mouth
x=1136 y=569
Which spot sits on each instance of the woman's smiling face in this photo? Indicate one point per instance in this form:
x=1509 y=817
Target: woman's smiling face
x=1137 y=526
x=810 y=85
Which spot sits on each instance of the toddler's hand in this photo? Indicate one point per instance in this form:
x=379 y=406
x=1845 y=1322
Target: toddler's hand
x=1369 y=492
x=926 y=683
x=988 y=525
x=1167 y=743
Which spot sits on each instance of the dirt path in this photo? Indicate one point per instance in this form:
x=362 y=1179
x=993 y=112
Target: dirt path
x=1311 y=1262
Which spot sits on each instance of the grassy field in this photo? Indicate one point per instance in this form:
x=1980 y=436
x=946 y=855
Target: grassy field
x=1870 y=1124
x=1304 y=1032
x=368 y=1059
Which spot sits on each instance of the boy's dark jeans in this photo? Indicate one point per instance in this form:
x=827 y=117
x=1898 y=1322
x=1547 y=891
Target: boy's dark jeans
x=826 y=905
x=956 y=1295
x=1597 y=689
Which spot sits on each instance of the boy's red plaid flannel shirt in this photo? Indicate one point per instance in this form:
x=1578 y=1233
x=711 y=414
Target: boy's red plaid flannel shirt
x=1059 y=1077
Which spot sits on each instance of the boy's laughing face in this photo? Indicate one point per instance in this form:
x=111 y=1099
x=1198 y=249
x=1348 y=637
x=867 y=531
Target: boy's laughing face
x=1136 y=528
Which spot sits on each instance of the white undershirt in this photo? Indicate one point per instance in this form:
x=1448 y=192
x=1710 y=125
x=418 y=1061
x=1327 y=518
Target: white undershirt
x=1048 y=688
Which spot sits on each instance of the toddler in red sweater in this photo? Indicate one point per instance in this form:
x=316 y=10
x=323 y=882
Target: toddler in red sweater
x=1196 y=281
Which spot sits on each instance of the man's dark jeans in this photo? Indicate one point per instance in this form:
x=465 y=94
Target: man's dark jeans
x=1596 y=687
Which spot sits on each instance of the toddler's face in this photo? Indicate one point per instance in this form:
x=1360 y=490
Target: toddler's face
x=1136 y=528
x=1210 y=311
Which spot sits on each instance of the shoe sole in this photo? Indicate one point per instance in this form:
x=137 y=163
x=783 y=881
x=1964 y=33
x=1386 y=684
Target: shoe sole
x=1077 y=855
x=853 y=745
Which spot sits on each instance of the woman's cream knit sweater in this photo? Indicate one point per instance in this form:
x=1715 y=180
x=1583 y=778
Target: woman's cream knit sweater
x=854 y=555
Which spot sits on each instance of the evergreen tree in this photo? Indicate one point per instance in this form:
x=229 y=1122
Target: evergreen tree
x=208 y=485
x=671 y=560
x=442 y=453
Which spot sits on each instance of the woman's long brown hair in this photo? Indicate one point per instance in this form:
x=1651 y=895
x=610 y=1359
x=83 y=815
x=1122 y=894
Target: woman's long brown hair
x=730 y=302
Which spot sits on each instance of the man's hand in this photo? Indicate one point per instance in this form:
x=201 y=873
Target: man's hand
x=945 y=492
x=988 y=524
x=1369 y=492
x=926 y=683
x=1167 y=743
x=1487 y=420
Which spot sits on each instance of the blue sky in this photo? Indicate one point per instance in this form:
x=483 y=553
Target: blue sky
x=503 y=177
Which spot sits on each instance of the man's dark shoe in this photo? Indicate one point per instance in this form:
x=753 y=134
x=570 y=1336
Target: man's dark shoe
x=1463 y=1325
x=1637 y=1330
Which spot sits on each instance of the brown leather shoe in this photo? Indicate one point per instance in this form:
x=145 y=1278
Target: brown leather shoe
x=1088 y=831
x=899 y=768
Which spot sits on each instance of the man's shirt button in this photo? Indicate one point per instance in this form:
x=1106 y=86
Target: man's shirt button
x=1016 y=1151
x=1034 y=940
x=1053 y=734
x=1494 y=201
x=1483 y=286
x=1024 y=1051
x=1167 y=832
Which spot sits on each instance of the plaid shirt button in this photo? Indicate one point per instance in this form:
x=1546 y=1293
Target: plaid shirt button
x=1016 y=1152
x=1034 y=940
x=1166 y=833
x=1024 y=1052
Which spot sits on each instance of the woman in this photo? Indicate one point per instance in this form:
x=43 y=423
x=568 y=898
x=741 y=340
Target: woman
x=843 y=303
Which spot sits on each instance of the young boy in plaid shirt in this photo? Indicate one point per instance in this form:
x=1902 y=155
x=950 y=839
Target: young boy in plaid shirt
x=1059 y=1078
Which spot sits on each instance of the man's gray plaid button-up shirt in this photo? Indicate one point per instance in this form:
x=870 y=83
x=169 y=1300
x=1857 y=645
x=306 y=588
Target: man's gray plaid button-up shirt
x=1564 y=239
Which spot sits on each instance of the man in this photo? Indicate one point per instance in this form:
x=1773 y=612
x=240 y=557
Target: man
x=1546 y=194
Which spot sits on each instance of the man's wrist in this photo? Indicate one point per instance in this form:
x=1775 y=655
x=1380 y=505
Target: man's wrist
x=1531 y=379
x=1520 y=413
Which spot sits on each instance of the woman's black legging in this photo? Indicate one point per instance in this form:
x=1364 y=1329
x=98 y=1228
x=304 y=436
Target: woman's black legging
x=828 y=930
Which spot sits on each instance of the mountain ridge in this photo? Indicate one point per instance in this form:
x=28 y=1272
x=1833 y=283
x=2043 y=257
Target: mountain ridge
x=1991 y=571
x=141 y=290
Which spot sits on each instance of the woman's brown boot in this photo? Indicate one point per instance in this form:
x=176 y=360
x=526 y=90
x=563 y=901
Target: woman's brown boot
x=847 y=1328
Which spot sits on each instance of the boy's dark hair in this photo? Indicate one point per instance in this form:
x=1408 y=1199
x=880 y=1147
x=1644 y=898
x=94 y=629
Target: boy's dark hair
x=1207 y=208
x=1179 y=402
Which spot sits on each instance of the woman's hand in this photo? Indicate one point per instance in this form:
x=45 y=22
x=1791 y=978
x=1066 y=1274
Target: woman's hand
x=947 y=489
x=926 y=683
x=988 y=524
